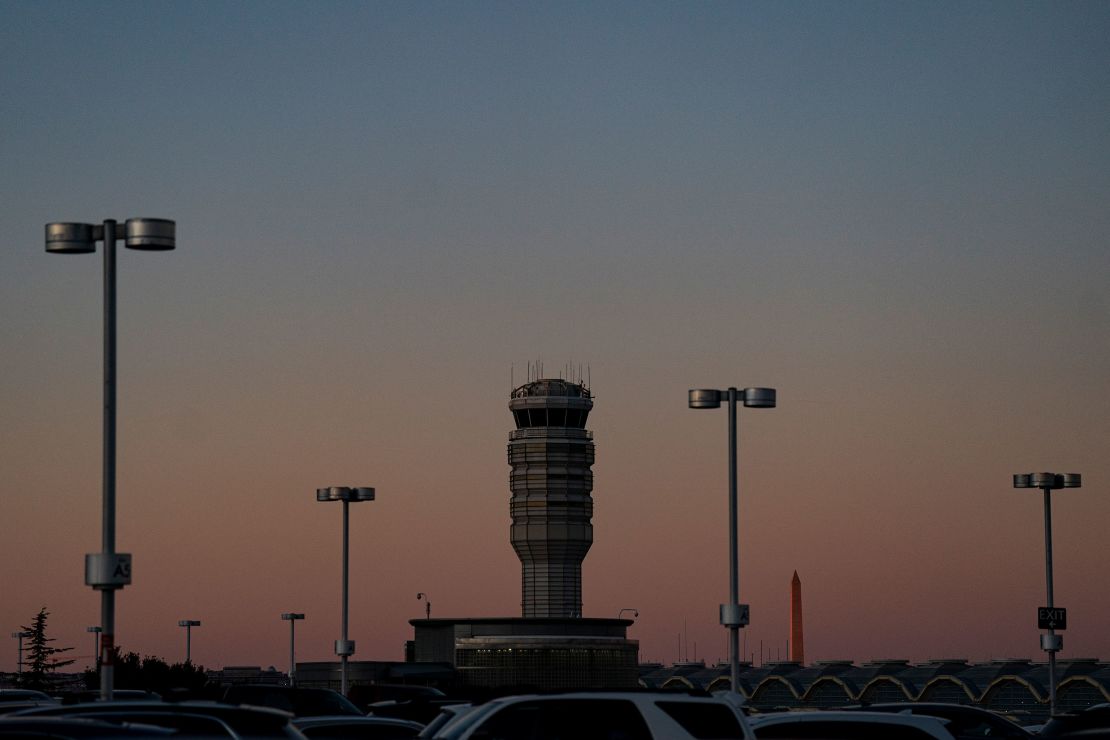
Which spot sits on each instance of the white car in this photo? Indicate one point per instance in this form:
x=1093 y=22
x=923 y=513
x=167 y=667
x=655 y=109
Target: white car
x=833 y=725
x=598 y=715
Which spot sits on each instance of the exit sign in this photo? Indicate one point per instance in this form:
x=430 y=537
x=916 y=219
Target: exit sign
x=1052 y=618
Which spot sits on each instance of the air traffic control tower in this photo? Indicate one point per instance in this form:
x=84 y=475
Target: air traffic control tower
x=551 y=645
x=551 y=452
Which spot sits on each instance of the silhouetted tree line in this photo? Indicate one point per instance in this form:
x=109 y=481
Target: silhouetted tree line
x=150 y=673
x=132 y=671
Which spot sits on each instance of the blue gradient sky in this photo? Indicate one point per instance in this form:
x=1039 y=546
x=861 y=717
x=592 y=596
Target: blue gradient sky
x=895 y=213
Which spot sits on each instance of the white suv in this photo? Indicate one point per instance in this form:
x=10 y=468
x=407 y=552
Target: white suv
x=586 y=715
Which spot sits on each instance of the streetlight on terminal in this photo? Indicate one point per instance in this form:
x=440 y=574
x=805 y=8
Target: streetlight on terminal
x=427 y=604
x=292 y=618
x=19 y=636
x=1049 y=617
x=635 y=612
x=108 y=570
x=188 y=624
x=734 y=615
x=344 y=648
x=96 y=645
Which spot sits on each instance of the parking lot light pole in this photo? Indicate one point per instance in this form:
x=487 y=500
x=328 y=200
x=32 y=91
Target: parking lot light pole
x=344 y=648
x=96 y=645
x=108 y=570
x=427 y=604
x=19 y=636
x=292 y=618
x=733 y=614
x=188 y=624
x=1048 y=482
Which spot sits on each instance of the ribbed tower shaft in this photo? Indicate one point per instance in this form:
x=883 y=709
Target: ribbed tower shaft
x=550 y=454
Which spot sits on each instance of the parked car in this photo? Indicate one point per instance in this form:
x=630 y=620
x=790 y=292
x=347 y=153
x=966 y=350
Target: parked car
x=365 y=694
x=76 y=728
x=448 y=714
x=298 y=701
x=598 y=716
x=1092 y=722
x=259 y=723
x=81 y=697
x=15 y=700
x=964 y=722
x=188 y=724
x=8 y=696
x=345 y=727
x=403 y=701
x=841 y=725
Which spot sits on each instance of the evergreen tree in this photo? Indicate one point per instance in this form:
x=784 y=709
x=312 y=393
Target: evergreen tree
x=40 y=662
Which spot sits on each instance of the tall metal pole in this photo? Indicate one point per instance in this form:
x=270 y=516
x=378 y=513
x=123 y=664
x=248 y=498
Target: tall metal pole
x=188 y=643
x=345 y=648
x=19 y=664
x=108 y=570
x=734 y=551
x=1048 y=581
x=292 y=617
x=292 y=654
x=108 y=545
x=343 y=658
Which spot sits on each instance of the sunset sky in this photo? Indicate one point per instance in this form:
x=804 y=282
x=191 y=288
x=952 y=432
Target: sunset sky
x=897 y=214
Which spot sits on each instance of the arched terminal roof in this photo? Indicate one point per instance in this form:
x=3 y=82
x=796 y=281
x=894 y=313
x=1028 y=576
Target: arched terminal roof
x=1011 y=685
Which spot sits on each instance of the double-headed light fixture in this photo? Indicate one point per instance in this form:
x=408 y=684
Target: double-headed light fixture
x=1050 y=641
x=292 y=618
x=20 y=636
x=345 y=648
x=188 y=624
x=734 y=615
x=108 y=570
